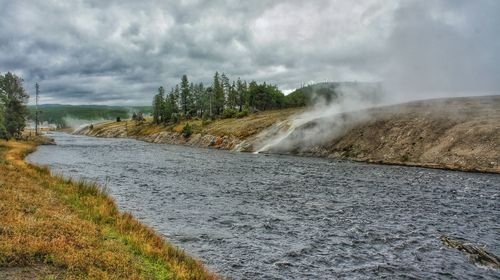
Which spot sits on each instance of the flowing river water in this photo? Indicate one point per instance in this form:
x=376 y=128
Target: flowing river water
x=252 y=216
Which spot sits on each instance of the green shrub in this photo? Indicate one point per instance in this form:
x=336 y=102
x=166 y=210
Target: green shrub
x=242 y=114
x=206 y=122
x=187 y=131
x=229 y=113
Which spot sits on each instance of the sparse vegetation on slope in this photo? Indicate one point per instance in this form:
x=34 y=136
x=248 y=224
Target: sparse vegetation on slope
x=221 y=133
x=55 y=228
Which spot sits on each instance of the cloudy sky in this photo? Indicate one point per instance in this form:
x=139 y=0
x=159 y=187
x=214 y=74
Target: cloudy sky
x=119 y=52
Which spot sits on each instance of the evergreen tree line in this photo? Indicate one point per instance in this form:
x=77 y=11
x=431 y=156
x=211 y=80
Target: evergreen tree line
x=13 y=110
x=223 y=99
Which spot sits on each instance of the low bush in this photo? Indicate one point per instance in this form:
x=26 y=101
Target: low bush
x=187 y=131
x=242 y=114
x=229 y=113
x=206 y=122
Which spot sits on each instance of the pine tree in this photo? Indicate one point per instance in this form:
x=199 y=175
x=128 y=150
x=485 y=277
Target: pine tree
x=185 y=96
x=168 y=106
x=175 y=97
x=226 y=88
x=241 y=89
x=232 y=99
x=191 y=101
x=253 y=89
x=209 y=95
x=158 y=106
x=161 y=105
x=218 y=95
x=198 y=99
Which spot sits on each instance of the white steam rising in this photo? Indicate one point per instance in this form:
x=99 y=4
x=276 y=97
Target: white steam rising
x=435 y=49
x=78 y=124
x=321 y=123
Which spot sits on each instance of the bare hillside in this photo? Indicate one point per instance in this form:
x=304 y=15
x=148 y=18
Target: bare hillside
x=458 y=133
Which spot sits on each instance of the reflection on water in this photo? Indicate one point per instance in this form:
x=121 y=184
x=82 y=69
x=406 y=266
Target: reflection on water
x=282 y=217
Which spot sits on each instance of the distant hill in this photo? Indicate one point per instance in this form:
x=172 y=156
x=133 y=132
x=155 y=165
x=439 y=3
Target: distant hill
x=59 y=114
x=328 y=92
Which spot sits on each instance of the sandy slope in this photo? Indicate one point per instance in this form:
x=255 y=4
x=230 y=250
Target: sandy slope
x=459 y=133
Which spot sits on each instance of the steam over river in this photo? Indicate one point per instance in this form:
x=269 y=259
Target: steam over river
x=283 y=217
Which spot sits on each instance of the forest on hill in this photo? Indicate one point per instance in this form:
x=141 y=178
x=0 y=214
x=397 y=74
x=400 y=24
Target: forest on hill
x=223 y=99
x=238 y=98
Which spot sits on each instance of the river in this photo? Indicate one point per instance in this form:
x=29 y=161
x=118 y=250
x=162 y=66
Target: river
x=250 y=216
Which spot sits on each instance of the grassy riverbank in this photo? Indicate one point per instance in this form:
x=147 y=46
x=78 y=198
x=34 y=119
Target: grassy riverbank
x=55 y=228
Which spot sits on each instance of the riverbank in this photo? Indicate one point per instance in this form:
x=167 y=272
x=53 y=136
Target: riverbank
x=55 y=228
x=223 y=134
x=455 y=133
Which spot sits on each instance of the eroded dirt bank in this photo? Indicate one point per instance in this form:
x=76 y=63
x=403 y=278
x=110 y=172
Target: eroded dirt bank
x=457 y=133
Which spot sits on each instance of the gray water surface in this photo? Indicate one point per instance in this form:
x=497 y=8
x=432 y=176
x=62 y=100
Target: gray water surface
x=282 y=217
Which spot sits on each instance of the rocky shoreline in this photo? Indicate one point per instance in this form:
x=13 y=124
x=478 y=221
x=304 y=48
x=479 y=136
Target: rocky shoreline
x=168 y=137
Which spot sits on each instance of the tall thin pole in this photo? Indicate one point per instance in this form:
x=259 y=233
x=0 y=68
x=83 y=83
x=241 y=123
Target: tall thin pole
x=37 y=96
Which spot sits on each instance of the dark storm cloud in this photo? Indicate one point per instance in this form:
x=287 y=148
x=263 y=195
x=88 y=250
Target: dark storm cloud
x=119 y=52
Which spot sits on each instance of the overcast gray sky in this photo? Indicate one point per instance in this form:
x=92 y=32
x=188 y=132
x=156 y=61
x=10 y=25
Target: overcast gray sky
x=120 y=52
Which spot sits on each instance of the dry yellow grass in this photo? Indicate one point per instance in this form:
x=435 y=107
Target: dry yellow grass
x=73 y=230
x=250 y=125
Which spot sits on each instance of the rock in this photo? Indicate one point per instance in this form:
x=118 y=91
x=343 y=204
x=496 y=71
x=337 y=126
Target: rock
x=218 y=141
x=476 y=253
